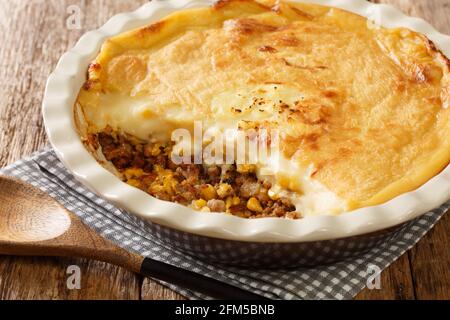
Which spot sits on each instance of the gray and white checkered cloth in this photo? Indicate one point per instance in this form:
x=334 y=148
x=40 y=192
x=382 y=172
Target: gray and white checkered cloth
x=341 y=280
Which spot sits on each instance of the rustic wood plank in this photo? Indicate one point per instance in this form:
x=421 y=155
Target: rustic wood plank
x=154 y=291
x=46 y=279
x=430 y=263
x=396 y=283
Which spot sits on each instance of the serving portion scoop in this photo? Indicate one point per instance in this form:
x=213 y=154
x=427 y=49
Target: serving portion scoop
x=34 y=224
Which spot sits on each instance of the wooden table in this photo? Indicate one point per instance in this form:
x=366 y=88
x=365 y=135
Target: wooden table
x=33 y=35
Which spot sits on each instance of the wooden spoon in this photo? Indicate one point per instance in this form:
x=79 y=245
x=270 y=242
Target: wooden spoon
x=34 y=224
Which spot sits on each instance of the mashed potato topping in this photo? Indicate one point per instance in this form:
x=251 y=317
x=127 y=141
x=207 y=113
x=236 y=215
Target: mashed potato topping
x=362 y=112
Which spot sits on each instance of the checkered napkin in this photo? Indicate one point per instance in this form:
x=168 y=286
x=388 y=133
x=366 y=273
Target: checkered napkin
x=342 y=280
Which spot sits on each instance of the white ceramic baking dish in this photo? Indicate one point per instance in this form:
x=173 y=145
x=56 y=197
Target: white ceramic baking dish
x=61 y=92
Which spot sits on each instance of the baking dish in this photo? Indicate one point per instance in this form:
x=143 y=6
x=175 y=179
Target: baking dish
x=355 y=231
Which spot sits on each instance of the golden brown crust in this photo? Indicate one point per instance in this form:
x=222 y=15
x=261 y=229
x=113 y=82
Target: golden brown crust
x=153 y=28
x=221 y=4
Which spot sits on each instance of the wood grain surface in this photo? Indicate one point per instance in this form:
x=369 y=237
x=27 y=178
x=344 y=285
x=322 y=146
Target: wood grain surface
x=33 y=35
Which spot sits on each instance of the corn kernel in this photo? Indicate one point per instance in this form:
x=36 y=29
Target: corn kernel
x=232 y=201
x=199 y=204
x=169 y=184
x=254 y=205
x=133 y=173
x=158 y=169
x=208 y=192
x=134 y=183
x=224 y=190
x=246 y=168
x=155 y=150
x=228 y=202
x=205 y=209
x=155 y=188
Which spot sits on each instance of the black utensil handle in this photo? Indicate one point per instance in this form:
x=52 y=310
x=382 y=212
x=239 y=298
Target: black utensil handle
x=195 y=282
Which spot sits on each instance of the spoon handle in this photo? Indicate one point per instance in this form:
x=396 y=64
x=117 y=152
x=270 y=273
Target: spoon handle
x=195 y=282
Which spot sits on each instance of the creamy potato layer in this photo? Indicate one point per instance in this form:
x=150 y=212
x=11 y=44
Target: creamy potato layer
x=362 y=111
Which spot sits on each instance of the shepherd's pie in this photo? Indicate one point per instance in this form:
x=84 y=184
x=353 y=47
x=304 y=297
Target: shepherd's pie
x=362 y=111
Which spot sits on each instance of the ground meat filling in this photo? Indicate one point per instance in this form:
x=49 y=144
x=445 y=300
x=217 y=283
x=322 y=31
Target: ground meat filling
x=227 y=188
